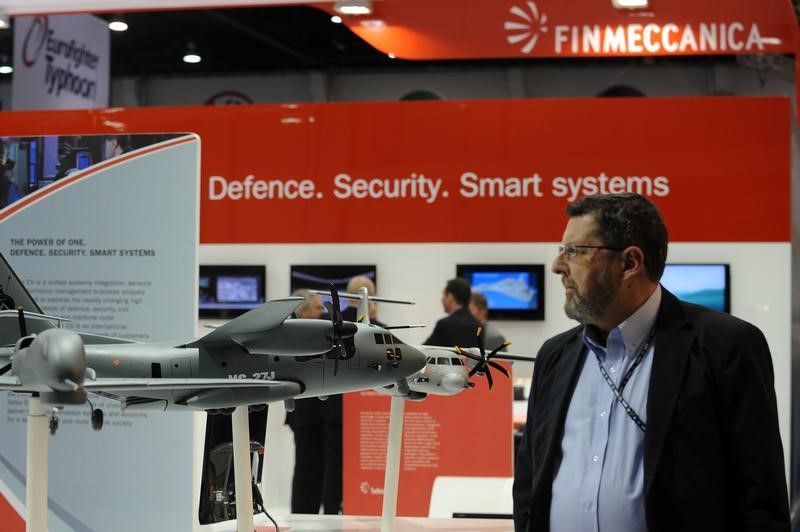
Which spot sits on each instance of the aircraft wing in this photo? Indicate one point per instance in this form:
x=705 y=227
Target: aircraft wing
x=261 y=319
x=134 y=385
x=502 y=355
x=11 y=383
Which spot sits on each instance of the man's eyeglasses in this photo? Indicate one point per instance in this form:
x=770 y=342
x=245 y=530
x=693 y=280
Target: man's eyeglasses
x=572 y=250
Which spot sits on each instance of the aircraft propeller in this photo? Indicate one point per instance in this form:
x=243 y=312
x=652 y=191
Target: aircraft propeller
x=341 y=329
x=484 y=361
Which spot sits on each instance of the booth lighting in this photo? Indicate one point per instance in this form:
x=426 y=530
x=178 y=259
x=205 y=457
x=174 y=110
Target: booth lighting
x=5 y=21
x=191 y=55
x=118 y=24
x=5 y=65
x=630 y=4
x=373 y=23
x=336 y=19
x=353 y=7
x=391 y=55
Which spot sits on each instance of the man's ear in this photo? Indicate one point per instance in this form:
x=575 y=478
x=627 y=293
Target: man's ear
x=633 y=261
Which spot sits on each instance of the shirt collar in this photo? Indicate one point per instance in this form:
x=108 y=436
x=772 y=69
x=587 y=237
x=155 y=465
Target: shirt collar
x=635 y=329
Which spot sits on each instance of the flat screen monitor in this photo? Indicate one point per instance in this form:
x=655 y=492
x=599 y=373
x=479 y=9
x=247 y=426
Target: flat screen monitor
x=228 y=291
x=703 y=284
x=319 y=276
x=513 y=291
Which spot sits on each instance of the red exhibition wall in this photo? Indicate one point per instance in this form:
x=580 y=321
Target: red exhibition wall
x=468 y=171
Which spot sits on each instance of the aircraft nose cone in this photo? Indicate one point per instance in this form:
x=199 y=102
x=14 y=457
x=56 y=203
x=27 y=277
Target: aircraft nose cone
x=413 y=360
x=453 y=382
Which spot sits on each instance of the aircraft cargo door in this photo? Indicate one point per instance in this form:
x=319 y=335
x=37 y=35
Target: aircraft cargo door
x=181 y=369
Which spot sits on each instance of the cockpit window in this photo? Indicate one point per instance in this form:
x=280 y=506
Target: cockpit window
x=387 y=338
x=445 y=361
x=397 y=340
x=379 y=338
x=430 y=360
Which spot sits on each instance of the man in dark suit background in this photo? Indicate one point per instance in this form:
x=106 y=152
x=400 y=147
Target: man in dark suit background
x=317 y=428
x=459 y=327
x=653 y=414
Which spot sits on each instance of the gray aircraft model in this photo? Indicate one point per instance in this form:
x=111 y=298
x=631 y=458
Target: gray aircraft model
x=263 y=356
x=445 y=372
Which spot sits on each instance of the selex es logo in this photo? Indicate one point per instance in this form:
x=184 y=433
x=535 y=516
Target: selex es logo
x=364 y=487
x=525 y=25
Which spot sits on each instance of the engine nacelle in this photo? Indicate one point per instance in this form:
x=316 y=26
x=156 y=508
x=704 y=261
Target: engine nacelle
x=53 y=364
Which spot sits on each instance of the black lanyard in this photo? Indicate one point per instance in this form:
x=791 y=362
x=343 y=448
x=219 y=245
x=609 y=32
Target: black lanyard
x=618 y=390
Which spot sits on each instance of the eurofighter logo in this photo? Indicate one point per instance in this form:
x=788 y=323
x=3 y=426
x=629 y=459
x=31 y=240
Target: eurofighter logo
x=524 y=27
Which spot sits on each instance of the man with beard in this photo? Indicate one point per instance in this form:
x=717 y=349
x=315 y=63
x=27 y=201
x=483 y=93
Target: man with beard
x=653 y=414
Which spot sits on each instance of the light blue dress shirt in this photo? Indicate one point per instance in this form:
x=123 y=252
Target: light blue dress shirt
x=599 y=486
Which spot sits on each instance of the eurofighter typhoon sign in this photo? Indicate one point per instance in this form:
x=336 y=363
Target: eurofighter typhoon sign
x=60 y=62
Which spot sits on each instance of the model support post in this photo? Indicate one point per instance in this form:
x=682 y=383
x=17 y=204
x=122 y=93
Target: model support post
x=241 y=469
x=36 y=467
x=392 y=477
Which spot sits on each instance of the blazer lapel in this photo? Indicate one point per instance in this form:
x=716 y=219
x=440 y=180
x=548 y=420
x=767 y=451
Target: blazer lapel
x=673 y=343
x=570 y=364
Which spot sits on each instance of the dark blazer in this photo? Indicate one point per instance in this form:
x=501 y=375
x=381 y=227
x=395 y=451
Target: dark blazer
x=713 y=459
x=459 y=328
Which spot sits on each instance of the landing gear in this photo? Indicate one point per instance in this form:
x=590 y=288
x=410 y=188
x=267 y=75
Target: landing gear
x=53 y=421
x=97 y=417
x=97 y=420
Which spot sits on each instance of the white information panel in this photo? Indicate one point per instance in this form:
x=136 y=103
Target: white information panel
x=108 y=240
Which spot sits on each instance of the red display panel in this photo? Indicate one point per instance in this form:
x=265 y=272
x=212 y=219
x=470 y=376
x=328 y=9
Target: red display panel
x=469 y=171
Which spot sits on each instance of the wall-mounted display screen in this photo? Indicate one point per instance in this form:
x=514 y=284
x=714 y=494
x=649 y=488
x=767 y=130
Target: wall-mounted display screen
x=228 y=291
x=513 y=291
x=702 y=284
x=319 y=276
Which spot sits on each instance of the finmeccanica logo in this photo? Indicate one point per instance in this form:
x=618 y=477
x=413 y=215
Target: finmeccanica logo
x=525 y=27
x=706 y=37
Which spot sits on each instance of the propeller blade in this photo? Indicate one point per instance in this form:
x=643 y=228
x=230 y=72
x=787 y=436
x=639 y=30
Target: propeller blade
x=337 y=315
x=489 y=378
x=498 y=367
x=5 y=369
x=480 y=342
x=23 y=327
x=498 y=348
x=476 y=369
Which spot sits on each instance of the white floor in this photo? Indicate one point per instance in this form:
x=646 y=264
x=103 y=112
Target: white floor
x=341 y=523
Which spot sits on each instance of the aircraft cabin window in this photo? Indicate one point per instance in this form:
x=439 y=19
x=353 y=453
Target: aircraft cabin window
x=379 y=338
